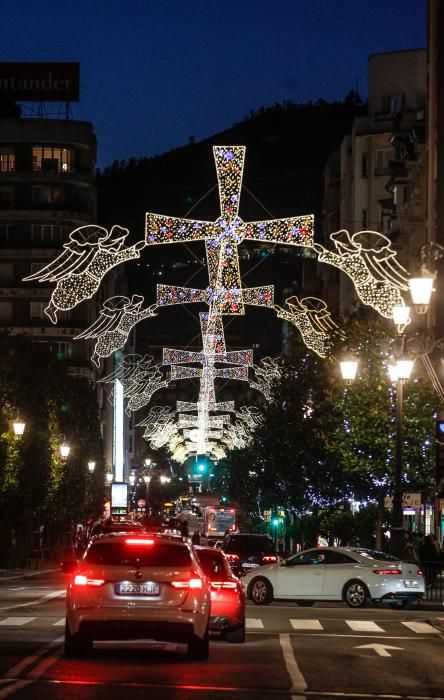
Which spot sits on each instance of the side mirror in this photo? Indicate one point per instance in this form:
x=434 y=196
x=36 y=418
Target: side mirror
x=69 y=566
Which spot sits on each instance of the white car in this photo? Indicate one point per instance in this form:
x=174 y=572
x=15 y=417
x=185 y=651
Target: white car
x=137 y=586
x=352 y=574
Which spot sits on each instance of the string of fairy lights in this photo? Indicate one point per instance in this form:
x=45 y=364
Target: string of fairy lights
x=208 y=426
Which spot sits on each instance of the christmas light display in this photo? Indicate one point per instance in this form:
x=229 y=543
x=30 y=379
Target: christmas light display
x=368 y=258
x=140 y=380
x=250 y=415
x=314 y=322
x=85 y=259
x=117 y=318
x=266 y=373
x=168 y=295
x=223 y=236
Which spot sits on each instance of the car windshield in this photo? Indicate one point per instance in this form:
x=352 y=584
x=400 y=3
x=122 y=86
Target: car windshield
x=212 y=562
x=249 y=545
x=374 y=554
x=122 y=554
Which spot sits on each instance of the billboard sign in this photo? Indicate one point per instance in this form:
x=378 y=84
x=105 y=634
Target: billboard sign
x=119 y=498
x=41 y=82
x=409 y=501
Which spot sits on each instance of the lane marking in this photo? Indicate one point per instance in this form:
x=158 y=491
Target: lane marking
x=59 y=623
x=29 y=660
x=380 y=649
x=17 y=621
x=10 y=689
x=421 y=627
x=298 y=682
x=363 y=626
x=306 y=624
x=38 y=671
x=254 y=623
x=38 y=601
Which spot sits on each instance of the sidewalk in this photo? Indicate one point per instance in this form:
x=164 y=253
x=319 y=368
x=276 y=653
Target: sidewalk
x=15 y=574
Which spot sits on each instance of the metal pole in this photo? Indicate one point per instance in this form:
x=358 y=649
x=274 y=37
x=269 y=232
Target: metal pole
x=397 y=528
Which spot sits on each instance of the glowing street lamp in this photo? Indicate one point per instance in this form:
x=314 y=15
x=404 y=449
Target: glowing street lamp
x=19 y=427
x=109 y=477
x=64 y=449
x=349 y=369
x=421 y=289
x=91 y=466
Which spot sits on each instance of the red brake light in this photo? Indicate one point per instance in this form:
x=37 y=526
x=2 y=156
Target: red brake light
x=232 y=557
x=82 y=580
x=271 y=558
x=138 y=541
x=217 y=585
x=420 y=572
x=387 y=572
x=192 y=583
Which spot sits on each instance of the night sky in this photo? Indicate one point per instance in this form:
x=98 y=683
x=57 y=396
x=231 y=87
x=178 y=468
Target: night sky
x=154 y=74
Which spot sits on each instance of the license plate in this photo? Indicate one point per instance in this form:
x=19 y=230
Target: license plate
x=249 y=566
x=137 y=588
x=411 y=584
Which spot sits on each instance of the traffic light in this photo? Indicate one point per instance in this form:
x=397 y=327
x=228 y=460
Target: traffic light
x=275 y=522
x=439 y=473
x=201 y=468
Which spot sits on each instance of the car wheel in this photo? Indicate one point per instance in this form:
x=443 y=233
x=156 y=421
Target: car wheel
x=400 y=604
x=356 y=594
x=305 y=603
x=199 y=648
x=76 y=644
x=261 y=591
x=235 y=636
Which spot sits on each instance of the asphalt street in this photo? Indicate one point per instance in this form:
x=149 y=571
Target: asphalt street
x=325 y=651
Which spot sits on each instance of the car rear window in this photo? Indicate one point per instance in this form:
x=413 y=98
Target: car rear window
x=249 y=545
x=121 y=554
x=212 y=562
x=374 y=554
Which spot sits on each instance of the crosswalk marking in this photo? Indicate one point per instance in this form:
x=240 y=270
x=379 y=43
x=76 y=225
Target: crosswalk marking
x=254 y=623
x=363 y=626
x=306 y=624
x=59 y=623
x=421 y=627
x=16 y=621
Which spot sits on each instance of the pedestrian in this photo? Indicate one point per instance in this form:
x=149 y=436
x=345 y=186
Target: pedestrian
x=196 y=537
x=429 y=558
x=184 y=528
x=409 y=553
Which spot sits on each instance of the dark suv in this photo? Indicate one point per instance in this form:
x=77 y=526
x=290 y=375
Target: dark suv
x=244 y=551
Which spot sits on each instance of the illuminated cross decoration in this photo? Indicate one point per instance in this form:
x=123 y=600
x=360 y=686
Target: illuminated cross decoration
x=223 y=236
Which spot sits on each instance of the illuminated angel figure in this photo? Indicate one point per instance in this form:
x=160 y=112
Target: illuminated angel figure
x=88 y=255
x=314 y=322
x=368 y=258
x=266 y=374
x=117 y=318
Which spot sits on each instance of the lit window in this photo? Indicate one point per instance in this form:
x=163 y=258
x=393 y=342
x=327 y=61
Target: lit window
x=52 y=159
x=7 y=159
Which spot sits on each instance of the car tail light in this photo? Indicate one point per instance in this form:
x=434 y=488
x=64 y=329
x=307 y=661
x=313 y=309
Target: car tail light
x=270 y=559
x=141 y=541
x=82 y=580
x=387 y=572
x=218 y=585
x=232 y=557
x=420 y=572
x=192 y=583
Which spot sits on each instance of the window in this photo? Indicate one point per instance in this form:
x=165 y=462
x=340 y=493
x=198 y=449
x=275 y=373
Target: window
x=6 y=197
x=392 y=104
x=313 y=556
x=37 y=309
x=364 y=164
x=52 y=159
x=122 y=554
x=338 y=558
x=6 y=272
x=6 y=232
x=49 y=233
x=383 y=156
x=212 y=562
x=47 y=194
x=7 y=159
x=5 y=310
x=63 y=349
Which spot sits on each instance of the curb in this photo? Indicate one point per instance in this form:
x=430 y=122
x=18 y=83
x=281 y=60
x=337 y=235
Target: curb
x=27 y=574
